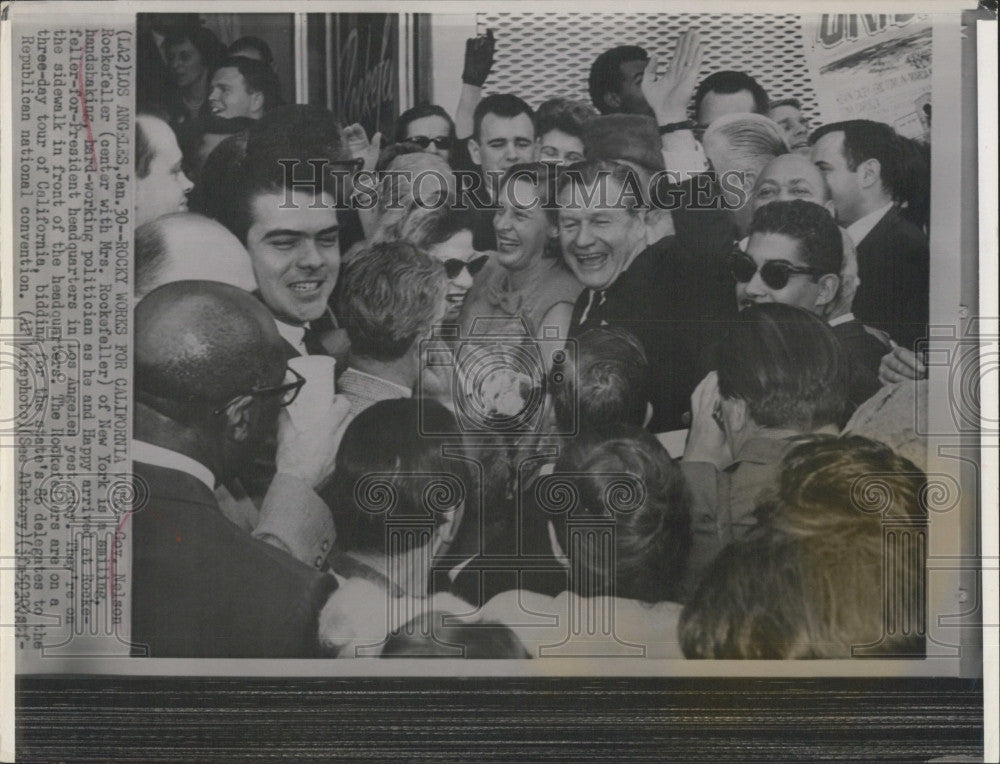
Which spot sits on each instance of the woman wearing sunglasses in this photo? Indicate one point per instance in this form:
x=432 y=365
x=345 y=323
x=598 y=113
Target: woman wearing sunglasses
x=526 y=279
x=428 y=126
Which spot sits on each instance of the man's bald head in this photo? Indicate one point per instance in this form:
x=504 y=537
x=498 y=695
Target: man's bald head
x=189 y=247
x=204 y=342
x=789 y=177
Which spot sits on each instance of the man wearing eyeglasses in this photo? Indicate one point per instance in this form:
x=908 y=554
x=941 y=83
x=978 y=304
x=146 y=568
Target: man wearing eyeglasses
x=210 y=380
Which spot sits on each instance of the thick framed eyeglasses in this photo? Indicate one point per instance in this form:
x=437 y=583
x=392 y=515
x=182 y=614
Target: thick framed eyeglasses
x=453 y=266
x=286 y=392
x=423 y=141
x=774 y=273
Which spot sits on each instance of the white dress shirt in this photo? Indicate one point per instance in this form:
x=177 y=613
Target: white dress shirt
x=293 y=335
x=859 y=229
x=159 y=456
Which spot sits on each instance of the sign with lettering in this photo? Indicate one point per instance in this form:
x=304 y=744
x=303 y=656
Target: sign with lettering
x=365 y=66
x=872 y=66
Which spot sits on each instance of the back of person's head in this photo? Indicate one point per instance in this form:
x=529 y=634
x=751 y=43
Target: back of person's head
x=624 y=137
x=865 y=139
x=414 y=186
x=389 y=472
x=505 y=105
x=605 y=73
x=743 y=142
x=914 y=188
x=819 y=578
x=258 y=77
x=185 y=246
x=811 y=225
x=426 y=636
x=390 y=296
x=605 y=383
x=786 y=365
x=625 y=477
x=729 y=82
x=419 y=112
x=252 y=47
x=563 y=114
x=198 y=344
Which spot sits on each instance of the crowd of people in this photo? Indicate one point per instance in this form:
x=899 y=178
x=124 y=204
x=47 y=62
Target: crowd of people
x=590 y=379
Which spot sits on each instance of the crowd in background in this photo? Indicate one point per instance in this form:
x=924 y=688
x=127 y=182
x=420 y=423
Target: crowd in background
x=605 y=378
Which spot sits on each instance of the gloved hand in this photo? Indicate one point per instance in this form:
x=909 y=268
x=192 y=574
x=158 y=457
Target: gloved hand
x=478 y=59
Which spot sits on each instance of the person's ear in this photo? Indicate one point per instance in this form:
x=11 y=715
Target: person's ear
x=829 y=285
x=445 y=533
x=238 y=415
x=736 y=414
x=869 y=173
x=613 y=100
x=474 y=153
x=649 y=414
x=557 y=550
x=257 y=102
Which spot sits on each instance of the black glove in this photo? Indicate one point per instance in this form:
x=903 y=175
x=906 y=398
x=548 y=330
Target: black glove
x=478 y=59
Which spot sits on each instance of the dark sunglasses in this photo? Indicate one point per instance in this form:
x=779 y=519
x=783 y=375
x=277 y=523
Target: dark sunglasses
x=454 y=266
x=774 y=273
x=423 y=141
x=287 y=392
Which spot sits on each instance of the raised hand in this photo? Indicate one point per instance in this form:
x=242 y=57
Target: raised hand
x=669 y=95
x=478 y=59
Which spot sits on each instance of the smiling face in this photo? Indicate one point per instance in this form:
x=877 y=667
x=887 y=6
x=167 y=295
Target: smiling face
x=787 y=178
x=795 y=127
x=558 y=147
x=599 y=241
x=186 y=63
x=458 y=247
x=503 y=142
x=295 y=253
x=802 y=290
x=521 y=225
x=431 y=127
x=229 y=97
x=165 y=188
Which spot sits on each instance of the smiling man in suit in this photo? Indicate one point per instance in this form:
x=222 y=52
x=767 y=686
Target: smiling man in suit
x=864 y=165
x=210 y=379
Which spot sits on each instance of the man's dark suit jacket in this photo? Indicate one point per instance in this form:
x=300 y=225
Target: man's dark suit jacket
x=894 y=268
x=667 y=302
x=204 y=588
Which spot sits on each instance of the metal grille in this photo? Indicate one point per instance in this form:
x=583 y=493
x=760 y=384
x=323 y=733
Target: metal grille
x=541 y=55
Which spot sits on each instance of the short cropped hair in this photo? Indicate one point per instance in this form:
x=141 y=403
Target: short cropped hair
x=506 y=105
x=817 y=578
x=866 y=139
x=819 y=238
x=788 y=367
x=259 y=78
x=563 y=114
x=252 y=43
x=605 y=382
x=728 y=82
x=419 y=112
x=605 y=73
x=795 y=103
x=390 y=295
x=388 y=470
x=625 y=474
x=594 y=171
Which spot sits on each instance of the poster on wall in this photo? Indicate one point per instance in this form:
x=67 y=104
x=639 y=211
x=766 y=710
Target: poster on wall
x=364 y=67
x=872 y=66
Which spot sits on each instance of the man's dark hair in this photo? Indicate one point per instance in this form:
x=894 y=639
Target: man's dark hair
x=788 y=367
x=811 y=225
x=793 y=102
x=388 y=471
x=252 y=43
x=605 y=381
x=564 y=115
x=389 y=296
x=866 y=139
x=817 y=577
x=624 y=475
x=505 y=105
x=419 y=112
x=605 y=73
x=258 y=77
x=729 y=82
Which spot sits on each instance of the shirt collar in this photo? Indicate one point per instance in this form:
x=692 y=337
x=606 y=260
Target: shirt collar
x=859 y=229
x=159 y=456
x=843 y=319
x=404 y=391
x=293 y=335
